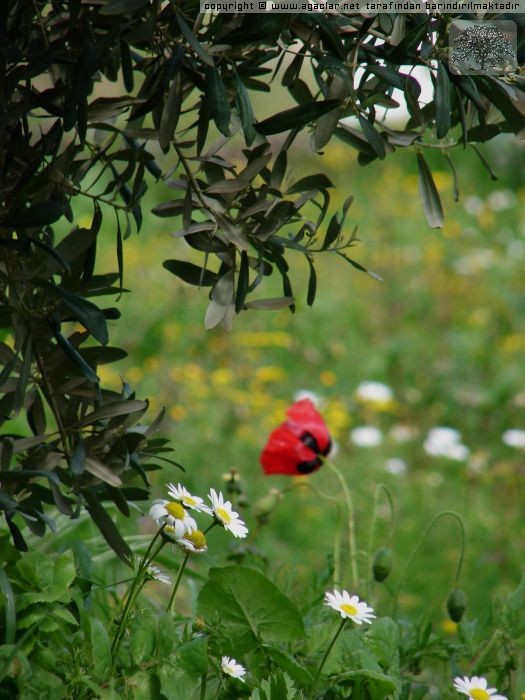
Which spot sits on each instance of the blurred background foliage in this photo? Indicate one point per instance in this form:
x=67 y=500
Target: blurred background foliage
x=92 y=102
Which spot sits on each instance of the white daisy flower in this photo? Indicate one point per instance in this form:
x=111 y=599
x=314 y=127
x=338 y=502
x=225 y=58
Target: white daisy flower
x=350 y=606
x=396 y=465
x=231 y=668
x=366 y=436
x=153 y=572
x=194 y=542
x=182 y=495
x=172 y=515
x=476 y=688
x=227 y=517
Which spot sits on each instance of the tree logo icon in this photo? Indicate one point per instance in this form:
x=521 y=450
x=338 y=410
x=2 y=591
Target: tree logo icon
x=482 y=47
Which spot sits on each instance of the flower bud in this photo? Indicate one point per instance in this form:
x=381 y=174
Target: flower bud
x=456 y=604
x=264 y=506
x=382 y=564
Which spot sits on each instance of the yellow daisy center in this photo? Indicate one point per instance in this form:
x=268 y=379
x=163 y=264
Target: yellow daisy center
x=352 y=610
x=224 y=515
x=479 y=694
x=197 y=539
x=188 y=501
x=175 y=510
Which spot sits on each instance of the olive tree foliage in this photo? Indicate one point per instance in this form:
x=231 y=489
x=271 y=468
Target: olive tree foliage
x=177 y=87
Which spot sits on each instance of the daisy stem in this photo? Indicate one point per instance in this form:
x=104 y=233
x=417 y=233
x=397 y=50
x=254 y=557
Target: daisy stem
x=177 y=582
x=133 y=592
x=379 y=488
x=424 y=536
x=351 y=523
x=323 y=660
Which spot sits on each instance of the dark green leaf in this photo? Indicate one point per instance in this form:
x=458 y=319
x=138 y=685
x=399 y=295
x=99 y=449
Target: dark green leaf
x=77 y=463
x=107 y=527
x=243 y=281
x=485 y=162
x=218 y=100
x=442 y=101
x=171 y=112
x=111 y=410
x=87 y=313
x=373 y=138
x=244 y=106
x=193 y=41
x=119 y=7
x=429 y=194
x=36 y=216
x=312 y=283
x=190 y=273
x=296 y=117
x=311 y=182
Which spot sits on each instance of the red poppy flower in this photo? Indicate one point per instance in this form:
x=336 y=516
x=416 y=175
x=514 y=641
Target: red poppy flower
x=296 y=446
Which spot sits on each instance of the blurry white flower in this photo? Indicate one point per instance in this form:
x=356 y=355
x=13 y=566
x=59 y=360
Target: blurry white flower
x=317 y=400
x=366 y=436
x=473 y=205
x=514 y=438
x=476 y=688
x=445 y=442
x=476 y=261
x=226 y=516
x=396 y=466
x=374 y=392
x=350 y=606
x=402 y=433
x=182 y=495
x=173 y=516
x=231 y=668
x=498 y=200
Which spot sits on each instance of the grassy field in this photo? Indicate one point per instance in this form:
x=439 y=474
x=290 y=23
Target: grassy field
x=445 y=331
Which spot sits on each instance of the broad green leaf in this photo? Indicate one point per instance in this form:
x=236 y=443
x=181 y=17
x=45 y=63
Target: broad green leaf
x=442 y=101
x=142 y=637
x=296 y=117
x=193 y=656
x=249 y=606
x=190 y=273
x=383 y=640
x=291 y=666
x=429 y=194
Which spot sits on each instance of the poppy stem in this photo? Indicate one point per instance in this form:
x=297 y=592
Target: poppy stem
x=424 y=536
x=379 y=488
x=323 y=661
x=351 y=523
x=337 y=538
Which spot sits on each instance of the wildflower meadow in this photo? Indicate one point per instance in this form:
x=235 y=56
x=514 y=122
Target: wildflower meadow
x=262 y=339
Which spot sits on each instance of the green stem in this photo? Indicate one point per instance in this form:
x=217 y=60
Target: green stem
x=177 y=582
x=351 y=524
x=488 y=650
x=379 y=488
x=323 y=660
x=134 y=590
x=203 y=685
x=422 y=539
